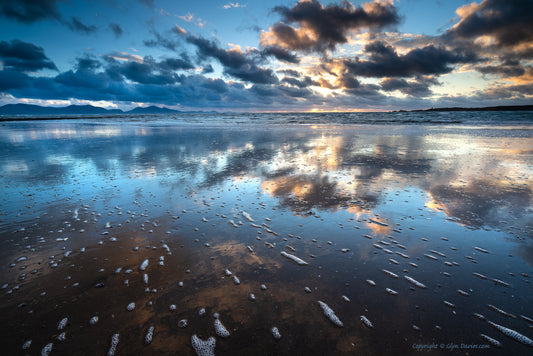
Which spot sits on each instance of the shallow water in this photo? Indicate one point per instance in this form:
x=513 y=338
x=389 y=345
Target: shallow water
x=84 y=204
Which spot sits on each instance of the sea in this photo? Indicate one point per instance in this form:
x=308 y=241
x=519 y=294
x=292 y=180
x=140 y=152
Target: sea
x=311 y=118
x=402 y=233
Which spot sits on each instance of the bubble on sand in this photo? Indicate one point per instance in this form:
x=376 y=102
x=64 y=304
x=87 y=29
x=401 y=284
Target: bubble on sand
x=130 y=306
x=391 y=291
x=463 y=293
x=389 y=273
x=247 y=216
x=275 y=333
x=93 y=320
x=114 y=343
x=220 y=329
x=203 y=348
x=365 y=321
x=46 y=350
x=448 y=304
x=490 y=340
x=62 y=323
x=415 y=282
x=330 y=314
x=293 y=258
x=144 y=265
x=26 y=345
x=149 y=335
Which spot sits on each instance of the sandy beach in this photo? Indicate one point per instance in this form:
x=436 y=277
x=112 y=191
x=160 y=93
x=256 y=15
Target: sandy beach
x=403 y=232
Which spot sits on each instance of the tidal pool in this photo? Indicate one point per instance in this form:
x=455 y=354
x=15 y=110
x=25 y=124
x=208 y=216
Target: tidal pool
x=139 y=232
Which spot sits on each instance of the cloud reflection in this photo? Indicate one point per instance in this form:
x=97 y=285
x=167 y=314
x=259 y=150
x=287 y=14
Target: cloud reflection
x=319 y=169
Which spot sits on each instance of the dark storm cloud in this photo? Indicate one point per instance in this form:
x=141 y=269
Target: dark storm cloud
x=119 y=77
x=290 y=73
x=87 y=63
x=76 y=25
x=28 y=11
x=369 y=92
x=24 y=56
x=208 y=69
x=117 y=30
x=416 y=88
x=13 y=79
x=149 y=71
x=503 y=70
x=295 y=92
x=281 y=53
x=183 y=63
x=384 y=61
x=303 y=83
x=508 y=21
x=241 y=65
x=322 y=28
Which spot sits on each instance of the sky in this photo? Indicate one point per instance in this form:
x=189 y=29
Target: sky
x=277 y=55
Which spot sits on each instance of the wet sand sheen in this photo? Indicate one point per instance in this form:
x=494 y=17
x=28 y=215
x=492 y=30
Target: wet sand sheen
x=351 y=205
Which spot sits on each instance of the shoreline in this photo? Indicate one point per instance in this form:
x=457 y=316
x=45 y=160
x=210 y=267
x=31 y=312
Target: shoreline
x=10 y=112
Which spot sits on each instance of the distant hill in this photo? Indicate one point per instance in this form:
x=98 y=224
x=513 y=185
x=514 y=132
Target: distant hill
x=36 y=110
x=487 y=108
x=27 y=109
x=152 y=110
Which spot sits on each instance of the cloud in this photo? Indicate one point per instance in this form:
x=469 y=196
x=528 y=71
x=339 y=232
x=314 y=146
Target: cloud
x=241 y=65
x=76 y=25
x=281 y=53
x=29 y=11
x=384 y=61
x=88 y=63
x=195 y=21
x=290 y=72
x=165 y=42
x=24 y=56
x=499 y=92
x=117 y=30
x=503 y=70
x=233 y=5
x=147 y=71
x=182 y=63
x=323 y=28
x=507 y=22
x=13 y=79
x=416 y=88
x=300 y=83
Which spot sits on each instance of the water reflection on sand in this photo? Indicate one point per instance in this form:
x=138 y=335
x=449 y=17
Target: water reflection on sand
x=81 y=200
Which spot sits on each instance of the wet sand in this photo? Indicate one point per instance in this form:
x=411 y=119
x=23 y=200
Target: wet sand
x=84 y=204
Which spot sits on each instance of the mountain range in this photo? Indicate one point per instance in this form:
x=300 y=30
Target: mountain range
x=28 y=109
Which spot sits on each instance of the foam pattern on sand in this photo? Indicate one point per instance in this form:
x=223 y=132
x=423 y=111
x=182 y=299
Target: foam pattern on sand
x=203 y=348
